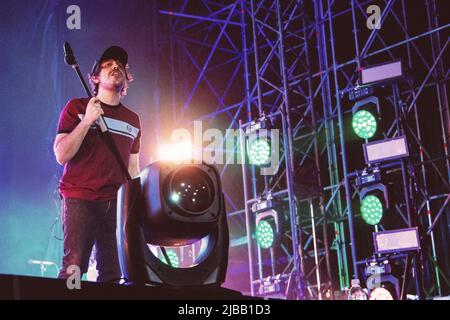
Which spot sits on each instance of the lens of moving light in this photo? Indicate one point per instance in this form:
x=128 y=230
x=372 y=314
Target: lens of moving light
x=192 y=190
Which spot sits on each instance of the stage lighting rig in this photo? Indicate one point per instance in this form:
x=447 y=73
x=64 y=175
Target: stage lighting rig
x=274 y=286
x=358 y=92
x=368 y=176
x=373 y=195
x=366 y=117
x=172 y=205
x=268 y=224
x=382 y=285
x=259 y=142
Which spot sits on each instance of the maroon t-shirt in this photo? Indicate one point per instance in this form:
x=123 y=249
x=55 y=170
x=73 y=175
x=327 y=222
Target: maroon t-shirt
x=93 y=173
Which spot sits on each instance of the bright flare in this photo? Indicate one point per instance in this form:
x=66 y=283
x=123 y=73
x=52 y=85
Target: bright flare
x=259 y=152
x=177 y=152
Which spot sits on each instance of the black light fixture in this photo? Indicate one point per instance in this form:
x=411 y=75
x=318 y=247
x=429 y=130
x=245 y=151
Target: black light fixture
x=259 y=146
x=268 y=227
x=373 y=195
x=382 y=285
x=172 y=205
x=366 y=117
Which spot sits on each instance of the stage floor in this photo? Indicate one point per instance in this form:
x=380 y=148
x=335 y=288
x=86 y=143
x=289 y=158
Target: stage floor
x=25 y=287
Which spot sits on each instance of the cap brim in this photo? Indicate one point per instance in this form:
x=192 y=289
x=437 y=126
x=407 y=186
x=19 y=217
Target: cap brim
x=116 y=53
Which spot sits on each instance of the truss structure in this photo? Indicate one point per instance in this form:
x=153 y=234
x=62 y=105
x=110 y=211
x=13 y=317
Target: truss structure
x=229 y=62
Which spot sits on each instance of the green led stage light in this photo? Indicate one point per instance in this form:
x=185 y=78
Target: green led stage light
x=173 y=257
x=371 y=209
x=265 y=234
x=364 y=124
x=259 y=151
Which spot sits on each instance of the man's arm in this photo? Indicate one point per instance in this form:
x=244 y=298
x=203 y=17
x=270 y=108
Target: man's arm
x=133 y=165
x=67 y=144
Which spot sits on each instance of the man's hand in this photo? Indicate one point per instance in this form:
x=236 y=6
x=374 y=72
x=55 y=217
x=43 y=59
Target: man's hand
x=93 y=111
x=133 y=165
x=67 y=144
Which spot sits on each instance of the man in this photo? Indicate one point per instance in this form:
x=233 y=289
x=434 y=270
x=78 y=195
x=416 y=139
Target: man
x=91 y=174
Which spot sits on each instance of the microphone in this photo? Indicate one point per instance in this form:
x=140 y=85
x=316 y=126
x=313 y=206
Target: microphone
x=45 y=263
x=69 y=58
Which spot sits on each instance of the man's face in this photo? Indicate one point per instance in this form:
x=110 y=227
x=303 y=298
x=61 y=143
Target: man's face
x=112 y=75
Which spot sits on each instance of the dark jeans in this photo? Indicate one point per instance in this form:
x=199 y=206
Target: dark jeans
x=85 y=223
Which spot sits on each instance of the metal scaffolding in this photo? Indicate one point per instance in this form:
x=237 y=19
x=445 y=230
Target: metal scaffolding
x=296 y=61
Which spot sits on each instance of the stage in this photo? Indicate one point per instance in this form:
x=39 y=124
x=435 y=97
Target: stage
x=16 y=287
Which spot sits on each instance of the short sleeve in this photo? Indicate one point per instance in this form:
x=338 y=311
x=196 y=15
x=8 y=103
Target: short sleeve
x=68 y=118
x=137 y=142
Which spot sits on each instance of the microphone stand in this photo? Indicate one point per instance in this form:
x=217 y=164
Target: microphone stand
x=43 y=264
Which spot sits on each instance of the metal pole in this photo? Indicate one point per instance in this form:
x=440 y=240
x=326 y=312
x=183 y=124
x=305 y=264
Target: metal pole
x=255 y=48
x=441 y=88
x=293 y=217
x=319 y=179
x=343 y=151
x=412 y=220
x=355 y=35
x=331 y=147
x=316 y=258
x=248 y=218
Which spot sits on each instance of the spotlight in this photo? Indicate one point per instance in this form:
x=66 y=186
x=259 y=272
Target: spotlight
x=259 y=143
x=259 y=151
x=382 y=285
x=374 y=202
x=364 y=122
x=171 y=205
x=373 y=195
x=267 y=231
x=371 y=209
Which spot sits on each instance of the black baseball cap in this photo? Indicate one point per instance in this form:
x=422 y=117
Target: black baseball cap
x=114 y=52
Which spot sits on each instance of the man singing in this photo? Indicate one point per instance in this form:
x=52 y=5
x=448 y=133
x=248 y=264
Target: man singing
x=91 y=174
